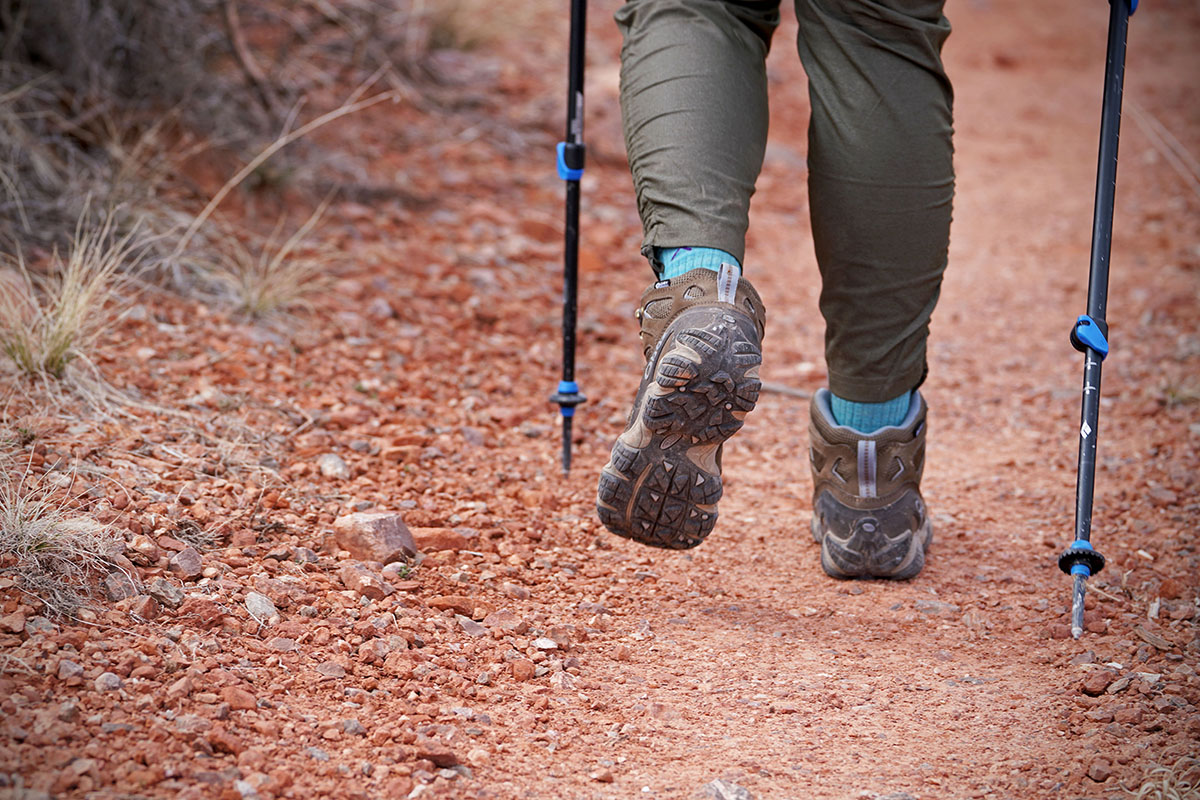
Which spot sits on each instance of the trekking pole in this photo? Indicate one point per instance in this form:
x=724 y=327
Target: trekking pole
x=1090 y=334
x=570 y=169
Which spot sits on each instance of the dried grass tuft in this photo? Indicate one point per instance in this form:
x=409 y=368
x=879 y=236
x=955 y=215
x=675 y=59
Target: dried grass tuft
x=53 y=549
x=49 y=321
x=1179 y=781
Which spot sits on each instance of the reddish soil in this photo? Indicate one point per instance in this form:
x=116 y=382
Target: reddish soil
x=425 y=367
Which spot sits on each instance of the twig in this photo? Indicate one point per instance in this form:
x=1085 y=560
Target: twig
x=784 y=389
x=1168 y=146
x=270 y=150
x=241 y=51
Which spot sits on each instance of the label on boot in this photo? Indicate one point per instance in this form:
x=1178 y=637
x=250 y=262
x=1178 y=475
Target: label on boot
x=727 y=281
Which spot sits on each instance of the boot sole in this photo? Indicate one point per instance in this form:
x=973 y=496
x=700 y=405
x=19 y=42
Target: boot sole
x=846 y=561
x=662 y=482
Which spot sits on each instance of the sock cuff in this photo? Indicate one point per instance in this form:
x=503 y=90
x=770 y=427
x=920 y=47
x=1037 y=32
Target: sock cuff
x=675 y=261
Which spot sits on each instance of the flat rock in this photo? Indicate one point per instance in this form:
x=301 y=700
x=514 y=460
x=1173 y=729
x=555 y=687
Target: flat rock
x=470 y=626
x=13 y=623
x=430 y=539
x=374 y=536
x=331 y=669
x=261 y=607
x=145 y=607
x=506 y=621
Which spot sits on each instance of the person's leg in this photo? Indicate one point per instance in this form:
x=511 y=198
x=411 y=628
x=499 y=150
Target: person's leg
x=693 y=96
x=694 y=107
x=881 y=182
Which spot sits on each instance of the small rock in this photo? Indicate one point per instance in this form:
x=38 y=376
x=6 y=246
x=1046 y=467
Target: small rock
x=543 y=643
x=561 y=636
x=223 y=741
x=460 y=604
x=39 y=625
x=13 y=623
x=484 y=679
x=180 y=688
x=725 y=790
x=68 y=712
x=470 y=626
x=68 y=669
x=353 y=727
x=505 y=621
x=438 y=753
x=1161 y=497
x=601 y=776
x=1097 y=681
x=1100 y=770
x=523 y=669
x=374 y=536
x=187 y=564
x=261 y=607
x=331 y=465
x=331 y=669
x=165 y=592
x=108 y=682
x=358 y=579
x=238 y=698
x=119 y=586
x=145 y=608
x=562 y=680
x=429 y=539
x=622 y=652
x=281 y=644
x=515 y=591
x=935 y=608
x=316 y=753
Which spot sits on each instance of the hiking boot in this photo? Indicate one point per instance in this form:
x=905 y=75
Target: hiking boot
x=702 y=340
x=868 y=514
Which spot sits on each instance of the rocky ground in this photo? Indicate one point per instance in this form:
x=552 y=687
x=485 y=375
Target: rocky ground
x=264 y=634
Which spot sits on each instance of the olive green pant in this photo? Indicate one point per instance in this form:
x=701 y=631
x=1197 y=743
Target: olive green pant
x=880 y=171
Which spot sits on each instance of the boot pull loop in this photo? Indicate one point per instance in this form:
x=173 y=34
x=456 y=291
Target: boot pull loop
x=727 y=282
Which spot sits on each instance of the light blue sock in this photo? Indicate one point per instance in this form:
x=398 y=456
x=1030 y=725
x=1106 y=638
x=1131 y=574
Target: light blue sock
x=678 y=260
x=869 y=417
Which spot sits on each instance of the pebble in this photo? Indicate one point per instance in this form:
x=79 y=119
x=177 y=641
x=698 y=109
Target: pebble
x=1097 y=681
x=543 y=643
x=506 y=621
x=261 y=607
x=935 y=607
x=331 y=669
x=353 y=727
x=316 y=753
x=374 y=536
x=119 y=586
x=68 y=669
x=430 y=539
x=523 y=669
x=470 y=626
x=1099 y=770
x=12 y=623
x=725 y=790
x=331 y=465
x=108 y=682
x=238 y=698
x=358 y=579
x=187 y=564
x=165 y=592
x=145 y=607
x=602 y=776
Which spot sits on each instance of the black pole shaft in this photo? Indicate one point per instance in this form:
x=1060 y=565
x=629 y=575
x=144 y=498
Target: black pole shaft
x=574 y=139
x=1102 y=223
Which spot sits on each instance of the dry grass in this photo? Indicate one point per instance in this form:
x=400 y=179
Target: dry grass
x=1179 y=781
x=49 y=321
x=53 y=549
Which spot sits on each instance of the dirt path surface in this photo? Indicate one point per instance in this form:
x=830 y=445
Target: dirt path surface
x=530 y=654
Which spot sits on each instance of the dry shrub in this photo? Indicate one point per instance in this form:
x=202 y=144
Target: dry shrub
x=54 y=550
x=1178 y=781
x=48 y=321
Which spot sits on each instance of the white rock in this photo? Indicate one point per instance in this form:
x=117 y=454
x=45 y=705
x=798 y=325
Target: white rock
x=332 y=466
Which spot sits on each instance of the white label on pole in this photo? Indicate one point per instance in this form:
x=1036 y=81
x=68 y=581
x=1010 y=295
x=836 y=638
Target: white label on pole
x=1085 y=431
